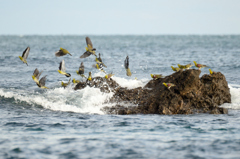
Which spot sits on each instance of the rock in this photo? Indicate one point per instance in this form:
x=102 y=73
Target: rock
x=190 y=95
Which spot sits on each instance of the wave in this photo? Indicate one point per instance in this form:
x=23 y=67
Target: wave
x=88 y=100
x=235 y=94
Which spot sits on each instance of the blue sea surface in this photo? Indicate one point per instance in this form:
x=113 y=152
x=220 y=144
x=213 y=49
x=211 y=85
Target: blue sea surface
x=64 y=123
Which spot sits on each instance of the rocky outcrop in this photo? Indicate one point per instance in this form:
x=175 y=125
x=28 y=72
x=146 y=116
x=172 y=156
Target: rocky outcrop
x=190 y=95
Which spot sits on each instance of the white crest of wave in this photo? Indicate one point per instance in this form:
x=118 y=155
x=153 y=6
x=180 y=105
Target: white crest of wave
x=235 y=97
x=88 y=100
x=130 y=83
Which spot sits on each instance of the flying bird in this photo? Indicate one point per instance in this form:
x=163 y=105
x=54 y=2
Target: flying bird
x=126 y=65
x=62 y=69
x=80 y=71
x=24 y=56
x=99 y=60
x=41 y=83
x=89 y=49
x=62 y=52
x=199 y=66
x=36 y=75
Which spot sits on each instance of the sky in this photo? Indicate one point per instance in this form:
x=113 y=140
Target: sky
x=119 y=17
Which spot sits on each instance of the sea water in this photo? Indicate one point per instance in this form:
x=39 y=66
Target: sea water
x=64 y=123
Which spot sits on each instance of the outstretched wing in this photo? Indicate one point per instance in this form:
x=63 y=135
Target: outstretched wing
x=25 y=53
x=59 y=53
x=85 y=54
x=36 y=72
x=126 y=63
x=81 y=68
x=42 y=81
x=62 y=65
x=89 y=42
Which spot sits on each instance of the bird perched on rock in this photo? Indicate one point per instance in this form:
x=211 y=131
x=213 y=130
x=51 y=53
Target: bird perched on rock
x=99 y=60
x=75 y=81
x=181 y=66
x=199 y=66
x=80 y=71
x=36 y=75
x=210 y=71
x=24 y=56
x=126 y=65
x=108 y=76
x=62 y=52
x=156 y=76
x=41 y=83
x=62 y=69
x=168 y=85
x=185 y=66
x=89 y=49
x=175 y=68
x=65 y=84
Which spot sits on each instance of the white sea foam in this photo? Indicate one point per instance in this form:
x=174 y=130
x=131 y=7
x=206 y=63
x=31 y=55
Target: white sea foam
x=235 y=97
x=88 y=100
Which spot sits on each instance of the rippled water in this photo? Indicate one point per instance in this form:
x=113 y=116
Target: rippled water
x=63 y=123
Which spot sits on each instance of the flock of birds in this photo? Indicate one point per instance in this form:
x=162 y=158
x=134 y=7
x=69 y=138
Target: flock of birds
x=62 y=69
x=99 y=65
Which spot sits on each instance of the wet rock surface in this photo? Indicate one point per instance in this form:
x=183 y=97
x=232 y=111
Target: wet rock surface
x=190 y=95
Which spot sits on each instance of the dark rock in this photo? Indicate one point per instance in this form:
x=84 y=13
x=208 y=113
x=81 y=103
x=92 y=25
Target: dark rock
x=190 y=95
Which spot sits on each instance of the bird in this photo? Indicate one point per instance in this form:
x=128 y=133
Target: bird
x=108 y=76
x=41 y=83
x=99 y=60
x=199 y=66
x=175 y=68
x=80 y=71
x=185 y=66
x=99 y=67
x=188 y=66
x=75 y=81
x=181 y=66
x=168 y=85
x=89 y=49
x=24 y=56
x=210 y=71
x=89 y=76
x=62 y=69
x=65 y=84
x=156 y=76
x=62 y=52
x=126 y=65
x=36 y=75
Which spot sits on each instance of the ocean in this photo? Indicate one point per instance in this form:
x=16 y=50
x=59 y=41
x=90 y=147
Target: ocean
x=64 y=123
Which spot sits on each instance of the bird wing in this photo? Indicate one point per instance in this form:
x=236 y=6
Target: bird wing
x=81 y=68
x=36 y=72
x=59 y=53
x=25 y=53
x=63 y=68
x=42 y=81
x=89 y=42
x=126 y=63
x=39 y=75
x=85 y=54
